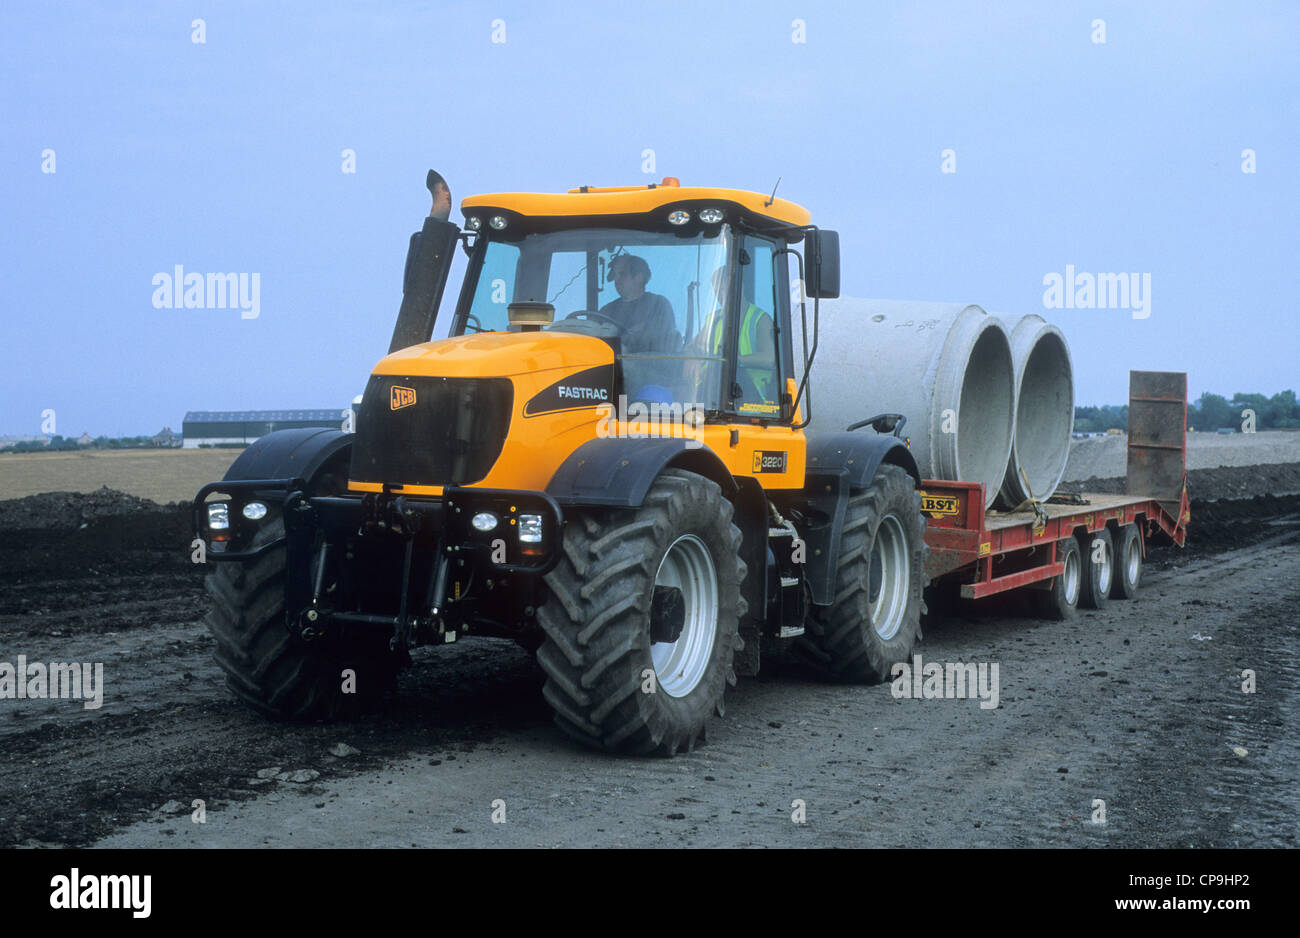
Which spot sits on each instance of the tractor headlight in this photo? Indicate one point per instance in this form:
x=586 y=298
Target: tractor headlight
x=530 y=529
x=218 y=516
x=473 y=223
x=484 y=521
x=498 y=222
x=678 y=217
x=710 y=216
x=255 y=511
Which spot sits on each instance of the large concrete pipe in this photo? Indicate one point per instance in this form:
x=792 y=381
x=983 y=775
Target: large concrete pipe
x=1044 y=411
x=947 y=367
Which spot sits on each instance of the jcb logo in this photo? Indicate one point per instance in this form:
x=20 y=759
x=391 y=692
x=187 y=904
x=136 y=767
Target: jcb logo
x=400 y=397
x=939 y=505
x=768 y=461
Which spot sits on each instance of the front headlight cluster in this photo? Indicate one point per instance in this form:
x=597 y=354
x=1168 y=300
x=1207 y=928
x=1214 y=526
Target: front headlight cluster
x=219 y=514
x=530 y=526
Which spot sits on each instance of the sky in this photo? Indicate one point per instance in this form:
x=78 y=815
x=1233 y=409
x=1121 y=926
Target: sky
x=228 y=155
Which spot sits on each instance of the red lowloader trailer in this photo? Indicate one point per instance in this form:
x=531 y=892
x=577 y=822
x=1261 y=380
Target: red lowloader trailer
x=1071 y=550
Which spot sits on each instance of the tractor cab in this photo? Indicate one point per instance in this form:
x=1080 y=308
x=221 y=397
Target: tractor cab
x=690 y=287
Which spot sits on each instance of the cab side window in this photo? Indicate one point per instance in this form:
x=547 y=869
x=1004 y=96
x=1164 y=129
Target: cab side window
x=756 y=353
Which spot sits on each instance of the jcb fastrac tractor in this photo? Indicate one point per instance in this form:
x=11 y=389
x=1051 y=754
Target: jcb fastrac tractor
x=607 y=460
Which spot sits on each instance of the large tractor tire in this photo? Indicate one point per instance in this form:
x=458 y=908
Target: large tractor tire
x=875 y=620
x=642 y=620
x=272 y=670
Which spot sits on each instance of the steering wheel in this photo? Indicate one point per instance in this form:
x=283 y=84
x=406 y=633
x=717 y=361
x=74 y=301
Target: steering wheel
x=595 y=317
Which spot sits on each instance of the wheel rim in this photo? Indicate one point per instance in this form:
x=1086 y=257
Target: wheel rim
x=889 y=579
x=1134 y=565
x=1104 y=570
x=1072 y=577
x=680 y=665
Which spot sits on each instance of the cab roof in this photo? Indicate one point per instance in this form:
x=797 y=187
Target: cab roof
x=648 y=200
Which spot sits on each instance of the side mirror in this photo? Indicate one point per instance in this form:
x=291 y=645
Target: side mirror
x=822 y=264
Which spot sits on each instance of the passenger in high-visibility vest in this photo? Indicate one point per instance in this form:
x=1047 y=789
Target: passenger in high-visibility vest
x=756 y=348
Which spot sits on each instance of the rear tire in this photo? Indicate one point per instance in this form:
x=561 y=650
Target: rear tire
x=1128 y=568
x=272 y=670
x=1099 y=564
x=1061 y=600
x=875 y=620
x=599 y=655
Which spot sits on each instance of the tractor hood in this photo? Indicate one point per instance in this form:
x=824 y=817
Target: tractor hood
x=498 y=355
x=455 y=410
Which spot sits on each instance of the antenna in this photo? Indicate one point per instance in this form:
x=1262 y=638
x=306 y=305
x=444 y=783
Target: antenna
x=772 y=197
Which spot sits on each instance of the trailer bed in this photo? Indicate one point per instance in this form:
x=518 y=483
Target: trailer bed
x=996 y=520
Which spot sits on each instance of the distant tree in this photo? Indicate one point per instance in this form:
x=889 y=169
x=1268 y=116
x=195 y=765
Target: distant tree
x=1212 y=411
x=1283 y=410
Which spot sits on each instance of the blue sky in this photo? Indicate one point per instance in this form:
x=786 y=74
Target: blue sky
x=226 y=156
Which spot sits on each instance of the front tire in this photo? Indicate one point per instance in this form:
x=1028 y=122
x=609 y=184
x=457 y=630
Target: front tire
x=642 y=621
x=875 y=620
x=273 y=671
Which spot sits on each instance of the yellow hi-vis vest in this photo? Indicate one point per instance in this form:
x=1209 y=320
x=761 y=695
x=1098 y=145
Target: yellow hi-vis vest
x=761 y=376
x=748 y=331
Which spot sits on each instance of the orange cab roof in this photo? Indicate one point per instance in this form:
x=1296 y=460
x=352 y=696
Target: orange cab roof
x=636 y=200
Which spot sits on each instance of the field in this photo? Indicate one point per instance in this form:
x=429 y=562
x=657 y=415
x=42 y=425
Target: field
x=174 y=475
x=162 y=475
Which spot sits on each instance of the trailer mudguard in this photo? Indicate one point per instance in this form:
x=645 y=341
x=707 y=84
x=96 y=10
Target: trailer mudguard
x=289 y=454
x=618 y=473
x=840 y=463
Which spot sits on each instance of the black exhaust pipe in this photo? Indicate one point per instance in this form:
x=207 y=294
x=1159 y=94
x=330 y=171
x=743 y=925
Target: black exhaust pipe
x=428 y=262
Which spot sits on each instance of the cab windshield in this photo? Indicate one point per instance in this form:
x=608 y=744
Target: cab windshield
x=662 y=296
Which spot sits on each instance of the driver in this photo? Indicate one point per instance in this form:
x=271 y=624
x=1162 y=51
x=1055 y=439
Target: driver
x=645 y=319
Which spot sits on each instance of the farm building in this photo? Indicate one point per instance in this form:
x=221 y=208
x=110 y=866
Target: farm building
x=214 y=428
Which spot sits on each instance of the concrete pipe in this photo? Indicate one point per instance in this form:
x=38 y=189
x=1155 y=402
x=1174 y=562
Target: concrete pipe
x=1044 y=411
x=947 y=367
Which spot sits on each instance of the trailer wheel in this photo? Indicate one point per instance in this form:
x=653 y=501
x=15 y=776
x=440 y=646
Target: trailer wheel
x=642 y=621
x=270 y=669
x=875 y=620
x=1128 y=571
x=1099 y=564
x=1061 y=601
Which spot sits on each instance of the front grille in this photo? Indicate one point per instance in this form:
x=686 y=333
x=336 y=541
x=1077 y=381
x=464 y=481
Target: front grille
x=430 y=431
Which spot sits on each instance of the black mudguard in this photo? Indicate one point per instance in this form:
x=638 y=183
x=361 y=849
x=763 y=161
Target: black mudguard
x=617 y=473
x=289 y=454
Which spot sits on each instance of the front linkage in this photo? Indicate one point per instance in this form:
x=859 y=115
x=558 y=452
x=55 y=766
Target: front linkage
x=425 y=569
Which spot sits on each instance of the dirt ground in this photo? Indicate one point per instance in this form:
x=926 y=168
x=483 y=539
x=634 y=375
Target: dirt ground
x=1139 y=706
x=163 y=475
